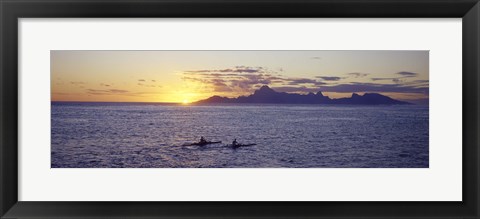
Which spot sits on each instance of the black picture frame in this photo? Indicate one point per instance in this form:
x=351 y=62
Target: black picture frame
x=12 y=10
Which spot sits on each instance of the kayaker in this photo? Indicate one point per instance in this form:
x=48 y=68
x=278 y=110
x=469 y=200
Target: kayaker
x=202 y=140
x=234 y=143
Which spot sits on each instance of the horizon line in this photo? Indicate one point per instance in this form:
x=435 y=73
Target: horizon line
x=80 y=101
x=360 y=93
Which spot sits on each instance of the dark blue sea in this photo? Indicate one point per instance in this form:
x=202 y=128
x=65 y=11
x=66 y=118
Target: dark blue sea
x=142 y=135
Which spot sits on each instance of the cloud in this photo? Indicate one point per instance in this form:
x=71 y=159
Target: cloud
x=257 y=79
x=77 y=83
x=381 y=79
x=118 y=91
x=355 y=87
x=298 y=81
x=236 y=79
x=105 y=85
x=219 y=85
x=373 y=87
x=407 y=74
x=398 y=80
x=358 y=74
x=227 y=80
x=147 y=83
x=247 y=70
x=395 y=80
x=236 y=69
x=329 y=78
x=194 y=79
x=317 y=57
x=106 y=92
x=301 y=89
x=420 y=81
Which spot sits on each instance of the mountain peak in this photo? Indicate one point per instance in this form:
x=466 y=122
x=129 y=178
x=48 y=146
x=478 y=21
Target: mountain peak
x=264 y=90
x=265 y=87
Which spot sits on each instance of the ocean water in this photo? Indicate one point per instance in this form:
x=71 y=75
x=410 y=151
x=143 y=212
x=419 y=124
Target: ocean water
x=134 y=135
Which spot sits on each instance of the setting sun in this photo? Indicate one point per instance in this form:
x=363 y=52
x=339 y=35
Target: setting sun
x=185 y=101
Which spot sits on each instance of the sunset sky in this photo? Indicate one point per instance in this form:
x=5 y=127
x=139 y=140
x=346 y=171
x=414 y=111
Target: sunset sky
x=188 y=76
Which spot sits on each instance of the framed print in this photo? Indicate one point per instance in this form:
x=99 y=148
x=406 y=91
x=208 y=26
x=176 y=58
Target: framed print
x=225 y=109
x=283 y=105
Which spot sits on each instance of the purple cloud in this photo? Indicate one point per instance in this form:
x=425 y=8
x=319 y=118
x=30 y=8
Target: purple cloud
x=358 y=74
x=407 y=74
x=329 y=78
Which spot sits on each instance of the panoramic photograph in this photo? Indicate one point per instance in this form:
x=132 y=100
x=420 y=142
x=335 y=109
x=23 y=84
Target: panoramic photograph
x=240 y=109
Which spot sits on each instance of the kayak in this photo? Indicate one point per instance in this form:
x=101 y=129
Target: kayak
x=203 y=143
x=240 y=145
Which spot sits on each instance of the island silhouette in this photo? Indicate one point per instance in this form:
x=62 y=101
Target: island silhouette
x=269 y=96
